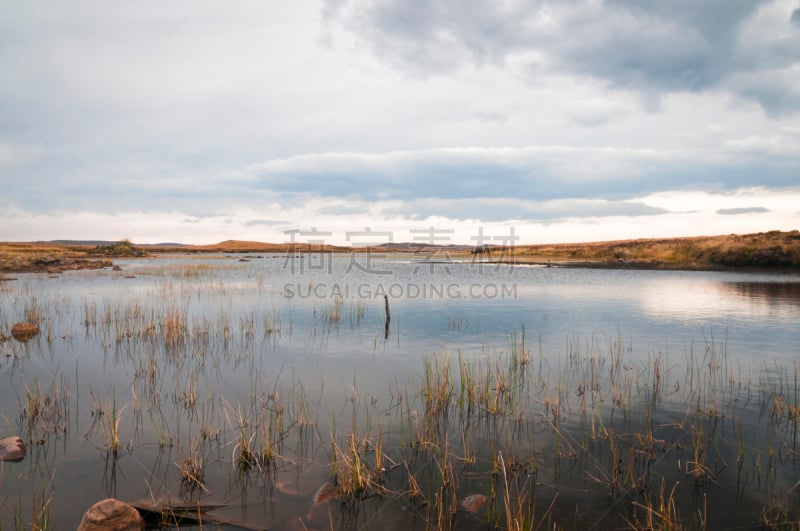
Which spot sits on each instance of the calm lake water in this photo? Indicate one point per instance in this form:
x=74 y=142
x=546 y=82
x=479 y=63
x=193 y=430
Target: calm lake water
x=189 y=356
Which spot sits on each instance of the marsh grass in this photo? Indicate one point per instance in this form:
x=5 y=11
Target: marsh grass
x=39 y=519
x=45 y=412
x=337 y=312
x=659 y=512
x=333 y=314
x=592 y=415
x=778 y=514
x=649 y=435
x=613 y=420
x=106 y=417
x=244 y=456
x=518 y=497
x=192 y=471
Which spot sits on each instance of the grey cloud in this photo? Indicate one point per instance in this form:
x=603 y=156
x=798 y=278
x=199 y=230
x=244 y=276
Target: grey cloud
x=505 y=209
x=593 y=113
x=530 y=174
x=423 y=35
x=331 y=8
x=491 y=115
x=795 y=18
x=742 y=210
x=652 y=47
x=534 y=173
x=777 y=96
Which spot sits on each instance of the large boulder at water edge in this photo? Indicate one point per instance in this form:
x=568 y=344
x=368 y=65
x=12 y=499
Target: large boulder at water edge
x=111 y=515
x=12 y=449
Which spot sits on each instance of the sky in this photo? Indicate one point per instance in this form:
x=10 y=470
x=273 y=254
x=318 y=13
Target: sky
x=366 y=121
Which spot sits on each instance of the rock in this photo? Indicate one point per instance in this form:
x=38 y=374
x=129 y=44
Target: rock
x=316 y=514
x=111 y=515
x=326 y=492
x=46 y=261
x=12 y=449
x=116 y=268
x=24 y=331
x=473 y=502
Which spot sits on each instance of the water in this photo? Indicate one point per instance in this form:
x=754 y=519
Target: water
x=193 y=353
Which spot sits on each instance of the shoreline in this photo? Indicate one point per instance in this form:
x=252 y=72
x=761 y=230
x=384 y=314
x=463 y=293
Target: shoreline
x=645 y=266
x=56 y=265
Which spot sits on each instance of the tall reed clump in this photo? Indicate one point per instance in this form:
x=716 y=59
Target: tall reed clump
x=358 y=461
x=45 y=412
x=174 y=328
x=352 y=475
x=40 y=519
x=271 y=412
x=437 y=387
x=107 y=417
x=659 y=512
x=259 y=429
x=35 y=312
x=517 y=498
x=192 y=470
x=244 y=455
x=332 y=315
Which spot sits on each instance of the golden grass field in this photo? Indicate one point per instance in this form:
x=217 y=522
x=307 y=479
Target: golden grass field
x=764 y=250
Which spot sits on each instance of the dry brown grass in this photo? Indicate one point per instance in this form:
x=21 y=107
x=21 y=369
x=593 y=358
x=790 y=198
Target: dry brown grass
x=23 y=256
x=12 y=249
x=764 y=250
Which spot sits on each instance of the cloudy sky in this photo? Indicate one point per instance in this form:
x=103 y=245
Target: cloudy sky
x=570 y=120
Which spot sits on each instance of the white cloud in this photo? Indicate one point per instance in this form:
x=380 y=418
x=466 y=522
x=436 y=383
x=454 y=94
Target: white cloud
x=665 y=214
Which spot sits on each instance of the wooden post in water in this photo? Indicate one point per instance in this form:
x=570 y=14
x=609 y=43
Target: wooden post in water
x=388 y=317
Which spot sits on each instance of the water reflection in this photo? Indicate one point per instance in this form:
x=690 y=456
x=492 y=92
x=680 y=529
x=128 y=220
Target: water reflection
x=772 y=293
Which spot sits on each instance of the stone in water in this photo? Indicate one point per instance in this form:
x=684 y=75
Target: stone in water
x=12 y=449
x=24 y=331
x=473 y=502
x=111 y=515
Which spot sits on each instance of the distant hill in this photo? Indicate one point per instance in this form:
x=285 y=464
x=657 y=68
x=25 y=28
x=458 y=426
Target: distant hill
x=416 y=246
x=243 y=246
x=95 y=243
x=234 y=246
x=77 y=242
x=238 y=246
